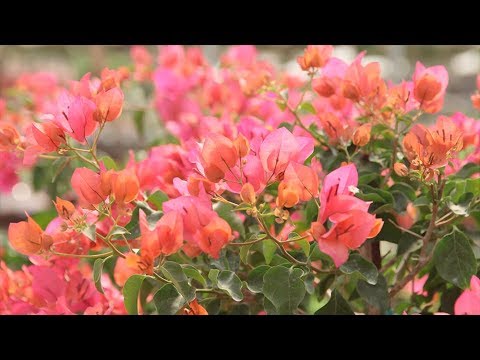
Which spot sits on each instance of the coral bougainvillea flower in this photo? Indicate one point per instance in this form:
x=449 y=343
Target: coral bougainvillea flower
x=87 y=184
x=195 y=309
x=351 y=223
x=109 y=105
x=315 y=56
x=280 y=147
x=219 y=156
x=48 y=135
x=432 y=148
x=65 y=208
x=214 y=236
x=364 y=83
x=28 y=238
x=125 y=186
x=75 y=116
x=429 y=87
x=300 y=183
x=361 y=136
x=9 y=137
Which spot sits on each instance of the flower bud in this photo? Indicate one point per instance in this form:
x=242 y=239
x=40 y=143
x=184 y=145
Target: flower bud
x=248 y=194
x=242 y=145
x=65 y=209
x=315 y=56
x=9 y=137
x=400 y=169
x=361 y=136
x=426 y=88
x=106 y=181
x=109 y=105
x=125 y=186
x=287 y=195
x=323 y=86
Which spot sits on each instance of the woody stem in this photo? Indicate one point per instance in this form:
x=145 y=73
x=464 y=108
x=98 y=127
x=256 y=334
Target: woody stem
x=278 y=242
x=426 y=238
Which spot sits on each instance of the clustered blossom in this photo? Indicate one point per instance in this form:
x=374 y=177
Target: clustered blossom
x=242 y=131
x=56 y=286
x=351 y=223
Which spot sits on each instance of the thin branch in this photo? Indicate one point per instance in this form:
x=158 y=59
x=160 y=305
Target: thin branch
x=405 y=230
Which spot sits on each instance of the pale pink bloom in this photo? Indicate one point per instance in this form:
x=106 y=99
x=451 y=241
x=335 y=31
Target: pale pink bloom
x=280 y=147
x=416 y=286
x=468 y=303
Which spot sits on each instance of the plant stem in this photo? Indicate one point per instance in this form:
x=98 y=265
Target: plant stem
x=405 y=230
x=115 y=250
x=81 y=256
x=426 y=238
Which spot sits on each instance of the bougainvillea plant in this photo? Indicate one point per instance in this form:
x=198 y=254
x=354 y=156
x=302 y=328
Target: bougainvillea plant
x=268 y=194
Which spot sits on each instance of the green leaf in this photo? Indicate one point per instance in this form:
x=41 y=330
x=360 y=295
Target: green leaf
x=109 y=163
x=138 y=119
x=118 y=230
x=356 y=263
x=58 y=166
x=131 y=289
x=255 y=278
x=370 y=197
x=385 y=195
x=244 y=253
x=286 y=125
x=408 y=243
x=168 y=300
x=375 y=295
x=389 y=231
x=145 y=290
x=44 y=218
x=463 y=204
x=157 y=199
x=90 y=232
x=269 y=307
x=226 y=213
x=133 y=226
x=305 y=246
x=406 y=189
x=153 y=218
x=400 y=201
x=307 y=107
x=472 y=186
x=213 y=275
x=231 y=283
x=269 y=249
x=468 y=170
x=240 y=309
x=193 y=273
x=337 y=305
x=284 y=288
x=97 y=273
x=309 y=283
x=454 y=259
x=213 y=306
x=368 y=178
x=311 y=212
x=175 y=274
x=422 y=201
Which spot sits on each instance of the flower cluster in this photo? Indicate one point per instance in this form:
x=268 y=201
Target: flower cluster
x=276 y=181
